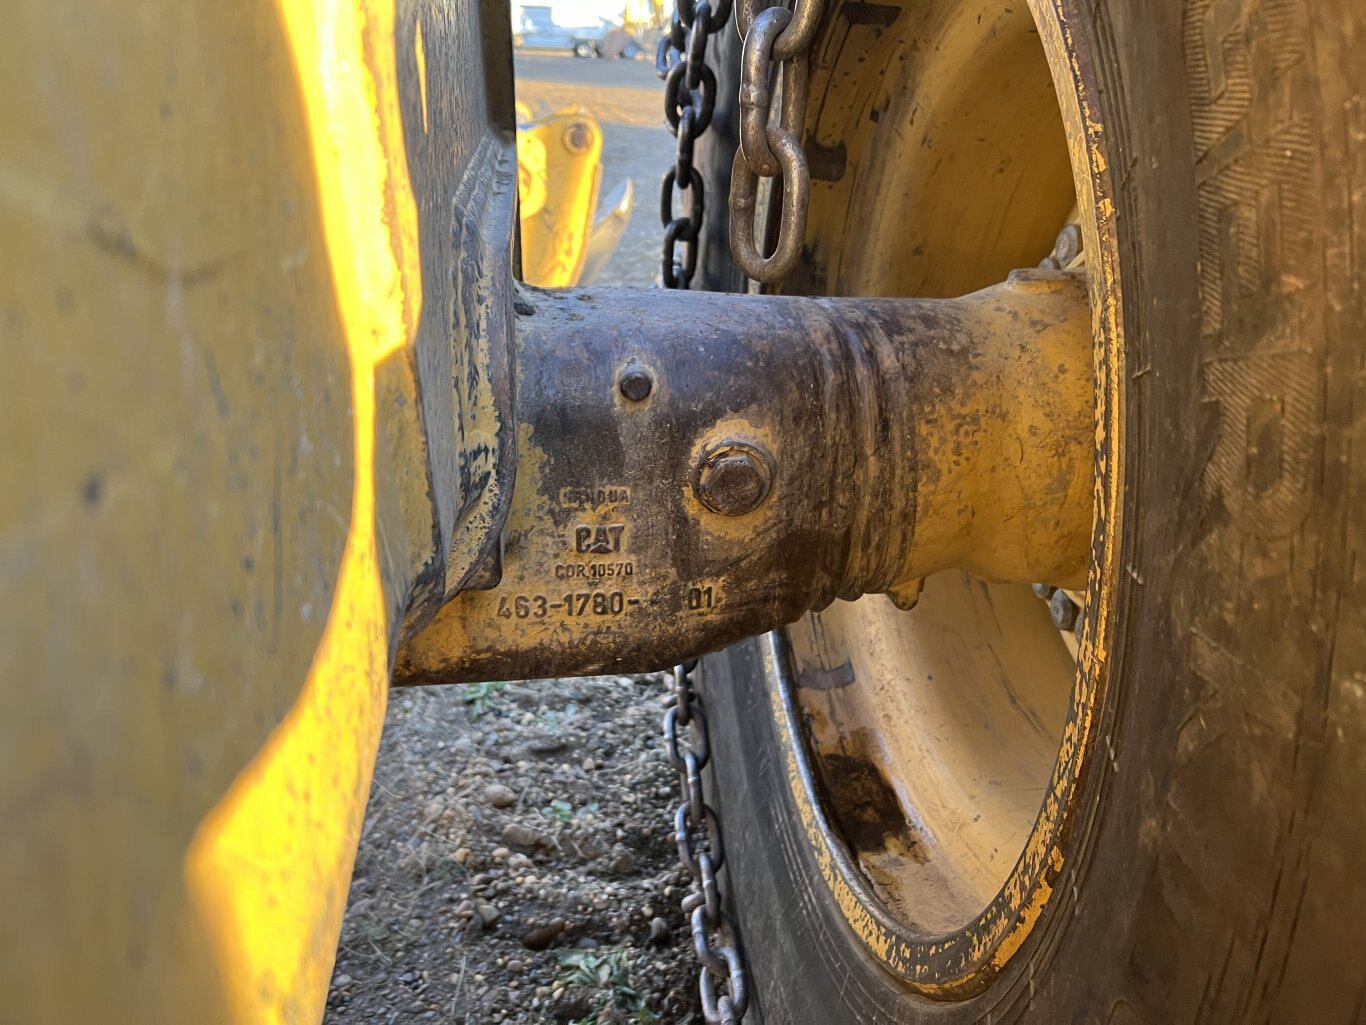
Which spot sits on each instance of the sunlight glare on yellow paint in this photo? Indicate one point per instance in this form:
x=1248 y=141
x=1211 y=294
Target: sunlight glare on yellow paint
x=270 y=865
x=420 y=49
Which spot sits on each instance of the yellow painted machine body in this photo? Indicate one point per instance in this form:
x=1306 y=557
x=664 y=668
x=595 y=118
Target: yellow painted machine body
x=559 y=170
x=559 y=175
x=219 y=296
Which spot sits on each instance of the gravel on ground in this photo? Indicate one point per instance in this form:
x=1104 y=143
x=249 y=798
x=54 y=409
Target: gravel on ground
x=517 y=864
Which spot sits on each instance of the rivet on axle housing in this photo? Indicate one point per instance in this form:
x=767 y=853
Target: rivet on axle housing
x=635 y=383
x=733 y=478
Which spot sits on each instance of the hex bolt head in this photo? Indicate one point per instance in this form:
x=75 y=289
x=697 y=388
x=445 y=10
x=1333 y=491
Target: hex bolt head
x=1044 y=591
x=1063 y=611
x=733 y=479
x=636 y=384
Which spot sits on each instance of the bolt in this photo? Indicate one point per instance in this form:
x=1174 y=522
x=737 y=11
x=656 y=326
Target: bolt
x=1067 y=247
x=1044 y=591
x=635 y=384
x=577 y=138
x=1063 y=611
x=733 y=479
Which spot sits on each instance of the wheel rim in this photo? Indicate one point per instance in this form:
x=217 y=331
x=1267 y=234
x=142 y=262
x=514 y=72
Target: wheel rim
x=938 y=756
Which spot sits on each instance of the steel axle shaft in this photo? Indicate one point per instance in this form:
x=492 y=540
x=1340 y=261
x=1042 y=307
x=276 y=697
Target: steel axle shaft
x=694 y=469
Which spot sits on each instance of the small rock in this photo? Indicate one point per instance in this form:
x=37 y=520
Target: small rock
x=488 y=914
x=587 y=943
x=500 y=853
x=543 y=936
x=343 y=980
x=519 y=862
x=499 y=796
x=516 y=967
x=589 y=765
x=462 y=855
x=659 y=930
x=621 y=862
x=433 y=809
x=517 y=834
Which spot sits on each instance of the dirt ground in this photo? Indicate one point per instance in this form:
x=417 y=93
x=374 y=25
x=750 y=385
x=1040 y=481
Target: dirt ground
x=517 y=862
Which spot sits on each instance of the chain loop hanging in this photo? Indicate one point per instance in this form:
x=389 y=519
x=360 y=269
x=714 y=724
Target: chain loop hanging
x=772 y=35
x=723 y=983
x=689 y=100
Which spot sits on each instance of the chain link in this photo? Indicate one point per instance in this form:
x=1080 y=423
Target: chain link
x=722 y=982
x=772 y=35
x=689 y=100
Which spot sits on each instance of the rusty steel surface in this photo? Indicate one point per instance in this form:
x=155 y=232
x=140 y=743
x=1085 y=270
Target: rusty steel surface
x=787 y=452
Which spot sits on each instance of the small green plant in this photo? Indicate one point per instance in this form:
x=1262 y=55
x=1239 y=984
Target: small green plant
x=604 y=971
x=563 y=811
x=559 y=810
x=556 y=720
x=479 y=696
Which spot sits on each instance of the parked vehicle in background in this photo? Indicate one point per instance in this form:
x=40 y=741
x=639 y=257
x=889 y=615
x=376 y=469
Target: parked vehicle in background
x=535 y=29
x=616 y=42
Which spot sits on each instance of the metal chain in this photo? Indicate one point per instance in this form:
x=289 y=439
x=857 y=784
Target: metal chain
x=722 y=980
x=772 y=36
x=767 y=151
x=689 y=99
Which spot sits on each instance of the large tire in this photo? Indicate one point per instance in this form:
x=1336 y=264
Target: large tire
x=1219 y=871
x=716 y=271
